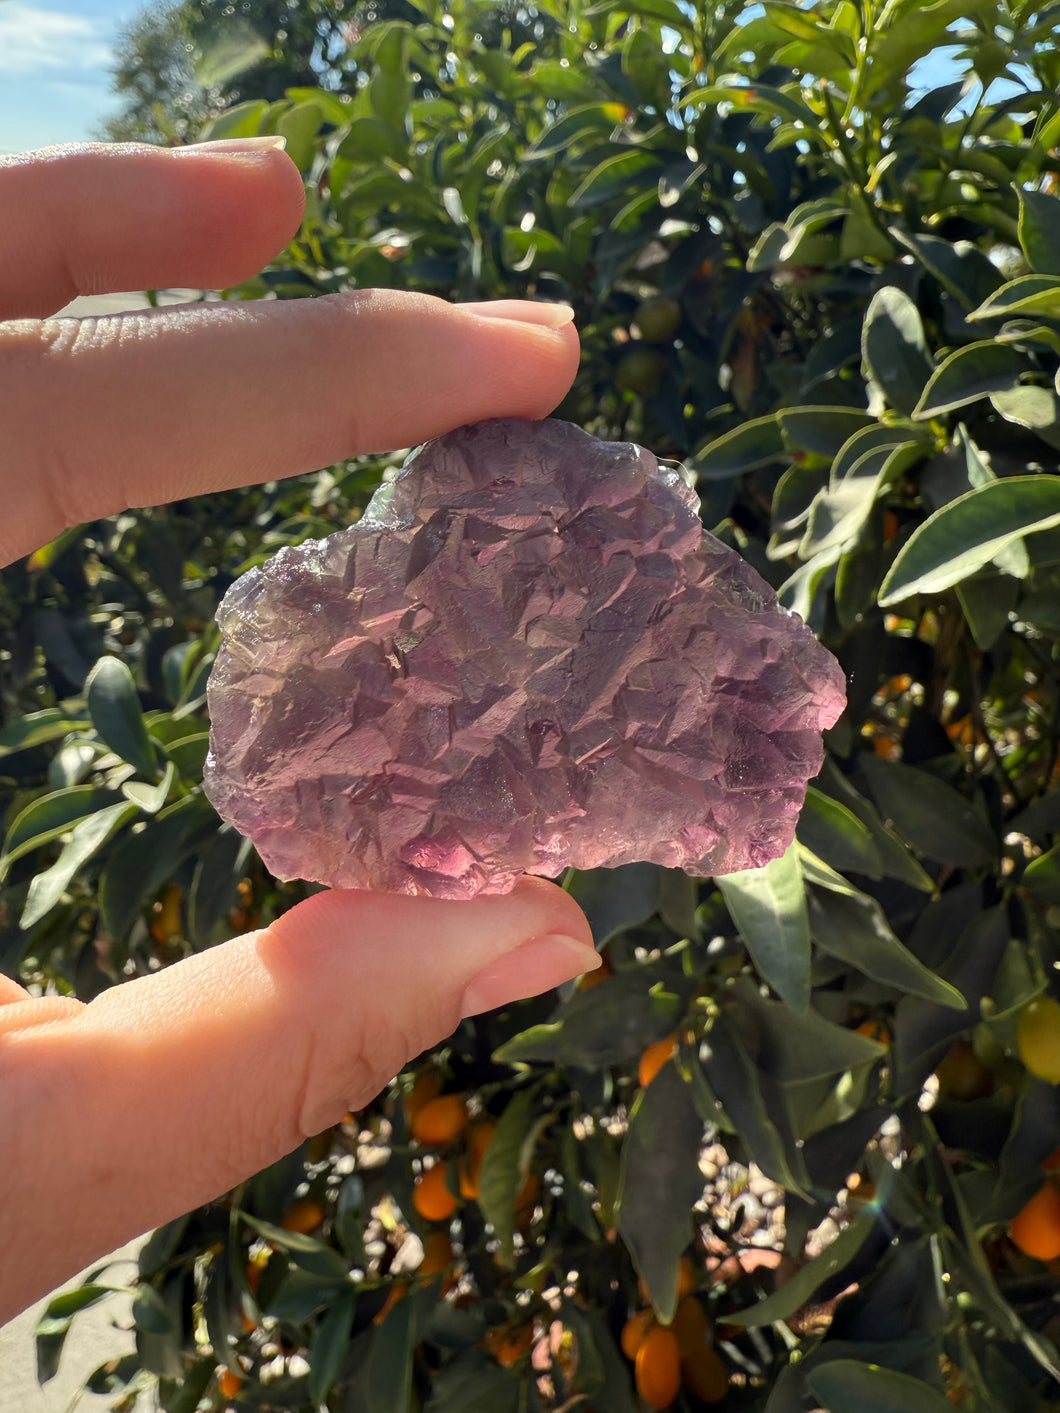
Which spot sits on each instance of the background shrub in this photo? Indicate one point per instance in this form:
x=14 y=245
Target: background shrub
x=815 y=253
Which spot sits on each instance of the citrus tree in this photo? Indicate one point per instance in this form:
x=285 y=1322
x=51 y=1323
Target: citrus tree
x=794 y=1146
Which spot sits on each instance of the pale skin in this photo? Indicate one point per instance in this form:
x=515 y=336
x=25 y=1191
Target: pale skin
x=166 y=1091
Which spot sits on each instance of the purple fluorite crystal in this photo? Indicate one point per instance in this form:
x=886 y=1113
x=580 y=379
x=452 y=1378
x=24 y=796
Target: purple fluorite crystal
x=526 y=655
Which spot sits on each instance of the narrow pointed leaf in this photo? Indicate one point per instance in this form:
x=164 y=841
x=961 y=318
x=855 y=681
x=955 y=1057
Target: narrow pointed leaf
x=1039 y=230
x=971 y=373
x=503 y=1169
x=768 y=905
x=850 y=1386
x=854 y=929
x=1036 y=296
x=329 y=1347
x=963 y=536
x=660 y=1183
x=86 y=839
x=799 y=1290
x=933 y=816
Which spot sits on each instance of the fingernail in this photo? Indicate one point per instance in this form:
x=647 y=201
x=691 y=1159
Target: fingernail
x=534 y=967
x=248 y=145
x=522 y=311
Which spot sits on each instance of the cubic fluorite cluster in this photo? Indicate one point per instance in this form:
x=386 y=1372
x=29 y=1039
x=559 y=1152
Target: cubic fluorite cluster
x=526 y=655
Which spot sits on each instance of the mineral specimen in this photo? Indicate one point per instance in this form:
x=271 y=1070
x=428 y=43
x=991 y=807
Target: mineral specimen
x=526 y=655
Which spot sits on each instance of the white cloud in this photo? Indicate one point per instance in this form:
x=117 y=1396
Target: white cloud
x=34 y=40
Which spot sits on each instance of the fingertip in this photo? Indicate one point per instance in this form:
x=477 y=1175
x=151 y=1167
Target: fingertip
x=562 y=912
x=95 y=218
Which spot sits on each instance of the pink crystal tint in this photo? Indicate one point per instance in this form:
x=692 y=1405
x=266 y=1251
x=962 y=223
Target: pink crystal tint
x=527 y=655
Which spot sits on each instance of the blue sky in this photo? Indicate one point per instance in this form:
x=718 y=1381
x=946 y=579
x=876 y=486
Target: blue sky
x=54 y=62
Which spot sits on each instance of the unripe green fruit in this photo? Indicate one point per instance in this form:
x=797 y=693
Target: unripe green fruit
x=640 y=370
x=658 y=319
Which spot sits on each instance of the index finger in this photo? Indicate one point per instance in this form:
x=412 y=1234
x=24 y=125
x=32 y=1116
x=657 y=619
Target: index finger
x=95 y=218
x=97 y=415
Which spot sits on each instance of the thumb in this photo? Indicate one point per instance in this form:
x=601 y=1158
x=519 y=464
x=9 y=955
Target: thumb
x=168 y=1090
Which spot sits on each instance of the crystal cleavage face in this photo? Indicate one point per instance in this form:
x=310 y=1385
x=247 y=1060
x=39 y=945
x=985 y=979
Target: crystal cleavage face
x=527 y=655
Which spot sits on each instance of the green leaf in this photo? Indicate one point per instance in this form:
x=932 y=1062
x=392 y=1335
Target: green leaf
x=471 y=1383
x=959 y=266
x=914 y=32
x=963 y=536
x=660 y=1183
x=960 y=468
x=807 y=27
x=755 y=443
x=800 y=1288
x=51 y=1329
x=934 y=817
x=390 y=89
x=603 y=1373
x=973 y=372
x=150 y=798
x=837 y=835
x=150 y=1313
x=736 y=1083
x=894 y=349
x=613 y=177
x=85 y=840
x=648 y=68
x=503 y=1168
x=870 y=462
x=1037 y=295
x=853 y=928
x=579 y=121
x=614 y=899
x=37 y=729
x=144 y=861
x=793 y=498
x=220 y=1302
x=768 y=905
x=59 y=1312
x=194 y=1383
x=796 y=1047
x=1039 y=229
x=241 y=120
x=849 y=1386
x=114 y=706
x=300 y=125
x=49 y=817
x=301 y=1294
x=986 y=604
x=821 y=430
x=603 y=1026
x=924 y=1031
x=862 y=239
x=895 y=859
x=370 y=137
x=762 y=98
x=1037 y=409
x=1041 y=877
x=213 y=887
x=329 y=1346
x=189 y=755
x=307 y=1252
x=387 y=1386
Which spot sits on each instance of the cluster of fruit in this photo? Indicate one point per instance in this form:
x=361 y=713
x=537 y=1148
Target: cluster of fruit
x=440 y=1122
x=978 y=1068
x=669 y=1357
x=1036 y=1228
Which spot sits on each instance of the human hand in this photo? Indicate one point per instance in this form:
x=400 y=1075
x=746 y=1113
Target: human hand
x=166 y=1091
